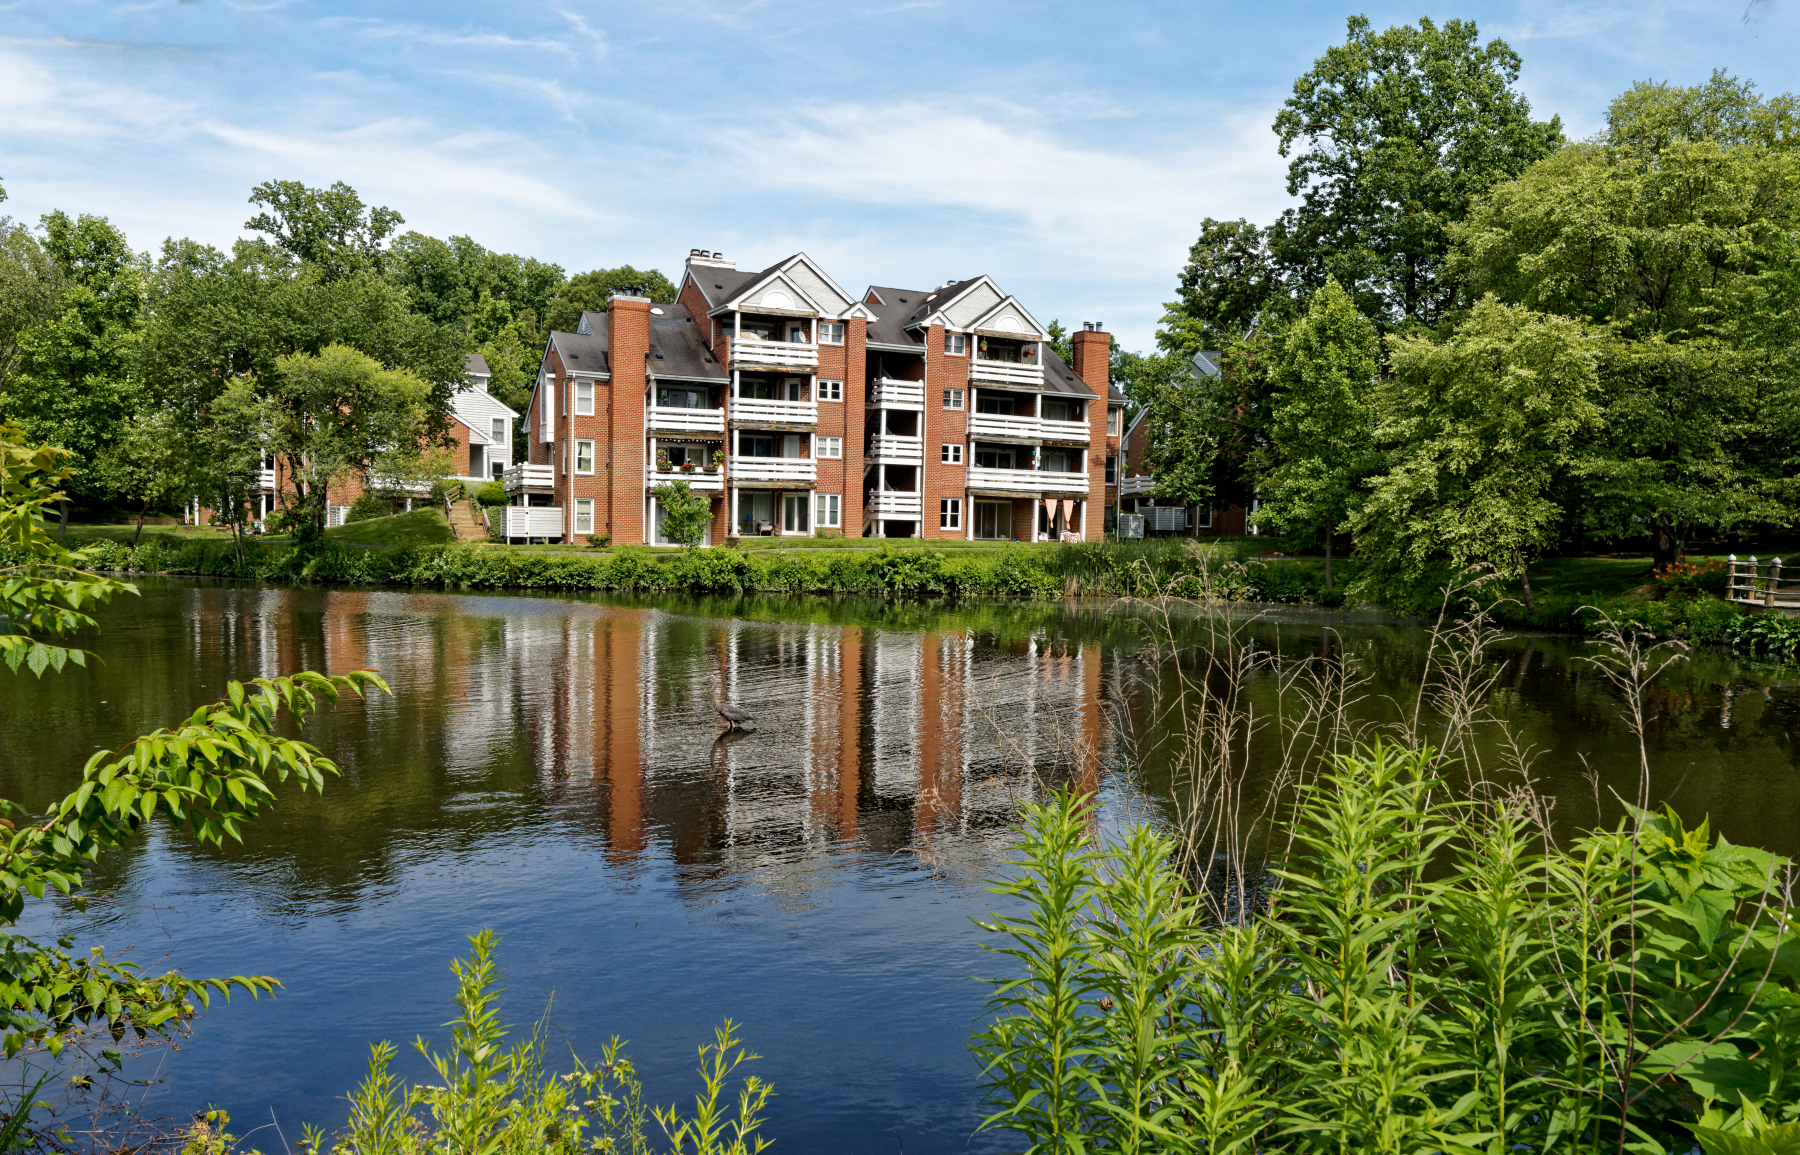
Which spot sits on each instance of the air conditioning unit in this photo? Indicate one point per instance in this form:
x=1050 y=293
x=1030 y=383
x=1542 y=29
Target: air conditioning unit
x=1167 y=518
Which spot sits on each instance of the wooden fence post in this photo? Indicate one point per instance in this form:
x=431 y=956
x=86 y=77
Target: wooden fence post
x=1774 y=580
x=1731 y=576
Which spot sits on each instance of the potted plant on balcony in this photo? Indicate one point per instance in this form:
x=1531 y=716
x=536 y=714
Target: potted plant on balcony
x=718 y=459
x=688 y=466
x=662 y=462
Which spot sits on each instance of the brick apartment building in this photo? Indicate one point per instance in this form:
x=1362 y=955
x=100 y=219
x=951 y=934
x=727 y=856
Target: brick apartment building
x=798 y=409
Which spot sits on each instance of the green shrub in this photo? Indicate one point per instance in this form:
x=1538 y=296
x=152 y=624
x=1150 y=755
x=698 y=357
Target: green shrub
x=367 y=507
x=1426 y=975
x=1764 y=633
x=105 y=554
x=491 y=493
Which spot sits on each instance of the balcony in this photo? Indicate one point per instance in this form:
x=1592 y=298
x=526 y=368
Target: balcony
x=699 y=481
x=1006 y=373
x=1136 y=486
x=1027 y=482
x=265 y=481
x=987 y=426
x=529 y=479
x=385 y=483
x=780 y=472
x=1064 y=430
x=759 y=411
x=896 y=393
x=784 y=356
x=671 y=419
x=891 y=504
x=890 y=448
x=508 y=522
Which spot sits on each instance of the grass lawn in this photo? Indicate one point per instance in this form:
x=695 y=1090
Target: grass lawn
x=420 y=527
x=80 y=535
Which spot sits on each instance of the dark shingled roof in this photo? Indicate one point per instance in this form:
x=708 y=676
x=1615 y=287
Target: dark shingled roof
x=475 y=365
x=1059 y=378
x=938 y=297
x=891 y=317
x=676 y=349
x=585 y=352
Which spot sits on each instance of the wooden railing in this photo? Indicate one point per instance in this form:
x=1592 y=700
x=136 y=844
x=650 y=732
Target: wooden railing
x=1756 y=583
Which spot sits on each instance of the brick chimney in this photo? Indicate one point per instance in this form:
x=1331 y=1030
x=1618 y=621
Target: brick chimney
x=1093 y=352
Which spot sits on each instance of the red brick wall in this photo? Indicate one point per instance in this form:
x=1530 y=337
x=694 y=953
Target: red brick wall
x=1025 y=519
x=1091 y=365
x=856 y=395
x=625 y=448
x=944 y=427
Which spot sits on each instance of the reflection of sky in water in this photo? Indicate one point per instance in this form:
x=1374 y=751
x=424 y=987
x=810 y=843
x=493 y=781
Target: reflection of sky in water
x=554 y=769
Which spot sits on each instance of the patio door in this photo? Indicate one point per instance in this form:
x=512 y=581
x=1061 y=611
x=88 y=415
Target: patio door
x=794 y=510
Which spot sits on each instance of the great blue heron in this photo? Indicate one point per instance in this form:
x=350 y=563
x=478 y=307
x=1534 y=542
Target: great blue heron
x=734 y=716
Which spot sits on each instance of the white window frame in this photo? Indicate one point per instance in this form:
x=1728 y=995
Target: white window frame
x=954 y=398
x=565 y=457
x=584 y=515
x=950 y=513
x=952 y=453
x=829 y=514
x=1113 y=417
x=830 y=390
x=580 y=444
x=584 y=398
x=831 y=332
x=830 y=447
x=497 y=428
x=956 y=344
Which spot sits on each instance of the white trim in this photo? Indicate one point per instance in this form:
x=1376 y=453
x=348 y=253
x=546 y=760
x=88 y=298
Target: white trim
x=579 y=442
x=1008 y=302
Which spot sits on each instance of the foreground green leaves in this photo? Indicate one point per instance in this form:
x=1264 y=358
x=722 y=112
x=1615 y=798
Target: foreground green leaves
x=1428 y=975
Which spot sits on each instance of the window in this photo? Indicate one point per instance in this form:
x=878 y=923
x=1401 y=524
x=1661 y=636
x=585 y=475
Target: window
x=950 y=513
x=831 y=447
x=757 y=389
x=956 y=344
x=681 y=398
x=953 y=454
x=992 y=458
x=584 y=398
x=1112 y=470
x=831 y=390
x=1060 y=460
x=794 y=513
x=829 y=517
x=987 y=403
x=1113 y=416
x=1055 y=410
x=499 y=431
x=565 y=458
x=953 y=398
x=584 y=515
x=796 y=389
x=993 y=520
x=584 y=457
x=831 y=332
x=334 y=515
x=749 y=446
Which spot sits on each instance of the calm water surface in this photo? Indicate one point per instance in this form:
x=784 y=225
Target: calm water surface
x=552 y=768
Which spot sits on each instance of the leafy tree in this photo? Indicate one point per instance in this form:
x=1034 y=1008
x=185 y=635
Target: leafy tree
x=1393 y=135
x=31 y=283
x=328 y=229
x=1321 y=438
x=335 y=413
x=225 y=459
x=1231 y=279
x=1649 y=233
x=73 y=386
x=1477 y=431
x=591 y=291
x=213 y=773
x=685 y=514
x=450 y=281
x=1204 y=431
x=147 y=465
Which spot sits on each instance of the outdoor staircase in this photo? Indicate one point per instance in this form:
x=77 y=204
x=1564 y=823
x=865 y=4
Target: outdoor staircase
x=465 y=520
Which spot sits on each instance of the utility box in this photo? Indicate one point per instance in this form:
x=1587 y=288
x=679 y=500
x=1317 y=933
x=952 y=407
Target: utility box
x=1167 y=518
x=1130 y=525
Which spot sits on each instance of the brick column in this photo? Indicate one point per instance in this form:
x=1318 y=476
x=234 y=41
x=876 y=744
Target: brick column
x=629 y=335
x=856 y=400
x=1093 y=349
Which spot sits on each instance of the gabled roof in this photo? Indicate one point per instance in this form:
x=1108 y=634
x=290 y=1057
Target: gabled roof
x=676 y=348
x=585 y=352
x=790 y=270
x=1059 y=378
x=895 y=309
x=475 y=365
x=936 y=300
x=1005 y=310
x=716 y=284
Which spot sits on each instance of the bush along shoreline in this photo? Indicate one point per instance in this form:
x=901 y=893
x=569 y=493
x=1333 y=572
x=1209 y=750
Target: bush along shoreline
x=1156 y=569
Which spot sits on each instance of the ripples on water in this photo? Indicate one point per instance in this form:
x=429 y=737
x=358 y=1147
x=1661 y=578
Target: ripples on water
x=553 y=769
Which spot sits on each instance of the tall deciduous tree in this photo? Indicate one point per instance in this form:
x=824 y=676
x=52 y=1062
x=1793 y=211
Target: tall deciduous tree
x=1393 y=135
x=1230 y=281
x=1477 y=431
x=592 y=290
x=450 y=281
x=330 y=230
x=335 y=413
x=31 y=283
x=148 y=465
x=1321 y=431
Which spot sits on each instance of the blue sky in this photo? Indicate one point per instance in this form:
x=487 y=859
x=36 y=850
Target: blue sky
x=1067 y=149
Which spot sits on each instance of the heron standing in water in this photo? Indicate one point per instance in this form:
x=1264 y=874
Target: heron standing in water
x=734 y=716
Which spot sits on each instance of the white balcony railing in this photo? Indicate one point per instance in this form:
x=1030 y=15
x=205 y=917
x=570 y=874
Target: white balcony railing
x=773 y=471
x=1136 y=486
x=679 y=420
x=779 y=412
x=265 y=481
x=384 y=483
x=1063 y=430
x=511 y=521
x=891 y=504
x=699 y=481
x=527 y=478
x=1006 y=373
x=892 y=447
x=1001 y=425
x=896 y=393
x=756 y=353
x=1027 y=481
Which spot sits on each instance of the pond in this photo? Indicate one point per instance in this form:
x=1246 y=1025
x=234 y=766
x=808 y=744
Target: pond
x=552 y=767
